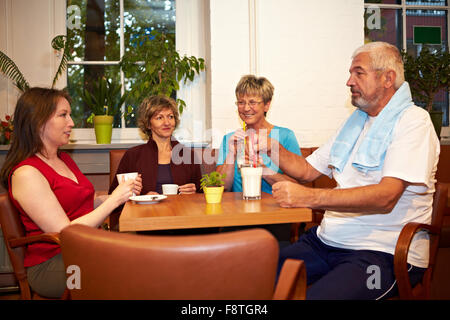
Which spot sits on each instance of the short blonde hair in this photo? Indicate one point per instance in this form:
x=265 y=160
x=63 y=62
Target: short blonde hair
x=152 y=105
x=384 y=56
x=252 y=85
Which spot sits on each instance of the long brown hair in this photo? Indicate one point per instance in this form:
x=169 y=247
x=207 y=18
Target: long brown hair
x=33 y=109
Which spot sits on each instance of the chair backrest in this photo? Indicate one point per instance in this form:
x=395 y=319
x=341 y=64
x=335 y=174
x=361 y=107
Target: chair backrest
x=437 y=217
x=443 y=167
x=229 y=265
x=12 y=228
x=422 y=289
x=207 y=156
x=115 y=155
x=208 y=159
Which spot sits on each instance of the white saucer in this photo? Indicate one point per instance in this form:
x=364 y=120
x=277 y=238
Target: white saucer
x=148 y=198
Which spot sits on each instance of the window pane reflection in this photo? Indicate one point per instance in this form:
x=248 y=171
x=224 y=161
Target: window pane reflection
x=384 y=25
x=436 y=18
x=93 y=31
x=142 y=17
x=93 y=28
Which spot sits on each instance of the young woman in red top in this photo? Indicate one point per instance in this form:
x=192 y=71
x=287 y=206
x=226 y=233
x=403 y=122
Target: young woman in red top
x=46 y=185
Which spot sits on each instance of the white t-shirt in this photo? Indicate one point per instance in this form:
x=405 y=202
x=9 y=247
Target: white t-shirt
x=412 y=156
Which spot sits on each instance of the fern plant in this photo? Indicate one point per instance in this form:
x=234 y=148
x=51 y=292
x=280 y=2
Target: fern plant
x=61 y=43
x=12 y=71
x=214 y=179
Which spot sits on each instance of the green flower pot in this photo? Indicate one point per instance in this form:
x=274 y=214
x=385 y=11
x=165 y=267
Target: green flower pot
x=103 y=129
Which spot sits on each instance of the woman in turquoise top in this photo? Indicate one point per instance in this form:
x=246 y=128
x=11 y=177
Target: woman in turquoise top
x=254 y=96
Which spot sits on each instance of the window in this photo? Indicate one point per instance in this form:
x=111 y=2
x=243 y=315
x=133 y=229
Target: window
x=393 y=21
x=100 y=32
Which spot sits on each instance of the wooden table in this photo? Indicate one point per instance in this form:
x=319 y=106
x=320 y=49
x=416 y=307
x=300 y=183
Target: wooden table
x=191 y=211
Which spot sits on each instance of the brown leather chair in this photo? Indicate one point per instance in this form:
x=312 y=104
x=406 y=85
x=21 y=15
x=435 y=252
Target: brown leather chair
x=230 y=265
x=421 y=290
x=115 y=155
x=16 y=242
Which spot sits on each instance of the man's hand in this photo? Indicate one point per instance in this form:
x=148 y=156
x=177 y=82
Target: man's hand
x=377 y=198
x=289 y=194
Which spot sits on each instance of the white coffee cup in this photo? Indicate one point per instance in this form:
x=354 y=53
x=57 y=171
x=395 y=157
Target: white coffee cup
x=127 y=176
x=169 y=189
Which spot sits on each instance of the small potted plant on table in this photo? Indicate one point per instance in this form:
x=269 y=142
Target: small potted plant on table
x=213 y=185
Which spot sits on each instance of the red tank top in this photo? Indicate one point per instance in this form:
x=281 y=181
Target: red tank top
x=76 y=199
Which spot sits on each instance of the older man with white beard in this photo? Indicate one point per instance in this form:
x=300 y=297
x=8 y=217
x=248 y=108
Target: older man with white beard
x=384 y=160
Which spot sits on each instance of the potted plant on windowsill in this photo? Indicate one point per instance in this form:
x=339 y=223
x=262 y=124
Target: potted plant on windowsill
x=213 y=186
x=154 y=67
x=6 y=129
x=427 y=74
x=105 y=101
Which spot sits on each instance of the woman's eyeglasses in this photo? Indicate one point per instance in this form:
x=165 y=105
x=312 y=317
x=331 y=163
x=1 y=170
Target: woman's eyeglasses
x=251 y=103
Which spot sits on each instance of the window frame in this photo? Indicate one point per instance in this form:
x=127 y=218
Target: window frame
x=196 y=94
x=403 y=7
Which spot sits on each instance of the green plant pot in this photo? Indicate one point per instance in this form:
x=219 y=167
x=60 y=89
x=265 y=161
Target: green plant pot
x=103 y=129
x=436 y=118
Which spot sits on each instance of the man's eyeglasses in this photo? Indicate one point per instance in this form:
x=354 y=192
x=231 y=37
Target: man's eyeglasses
x=251 y=103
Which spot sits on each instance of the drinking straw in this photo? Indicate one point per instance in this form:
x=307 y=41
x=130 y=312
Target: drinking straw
x=253 y=150
x=244 y=127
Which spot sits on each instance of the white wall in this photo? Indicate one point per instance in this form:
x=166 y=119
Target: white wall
x=302 y=47
x=27 y=28
x=192 y=40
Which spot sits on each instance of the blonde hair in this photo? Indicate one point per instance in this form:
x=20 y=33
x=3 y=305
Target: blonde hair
x=252 y=85
x=384 y=56
x=152 y=105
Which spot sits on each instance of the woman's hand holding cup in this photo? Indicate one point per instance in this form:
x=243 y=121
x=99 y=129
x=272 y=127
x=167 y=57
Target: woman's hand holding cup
x=123 y=191
x=188 y=188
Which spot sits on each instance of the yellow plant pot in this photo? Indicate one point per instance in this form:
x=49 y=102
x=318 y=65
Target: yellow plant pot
x=213 y=194
x=103 y=129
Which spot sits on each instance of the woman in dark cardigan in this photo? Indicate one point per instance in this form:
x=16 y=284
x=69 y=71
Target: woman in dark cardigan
x=162 y=160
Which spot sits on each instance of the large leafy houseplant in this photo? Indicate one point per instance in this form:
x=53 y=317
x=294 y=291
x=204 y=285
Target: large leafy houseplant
x=154 y=67
x=427 y=74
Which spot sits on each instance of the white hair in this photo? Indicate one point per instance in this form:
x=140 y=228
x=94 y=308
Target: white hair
x=384 y=56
